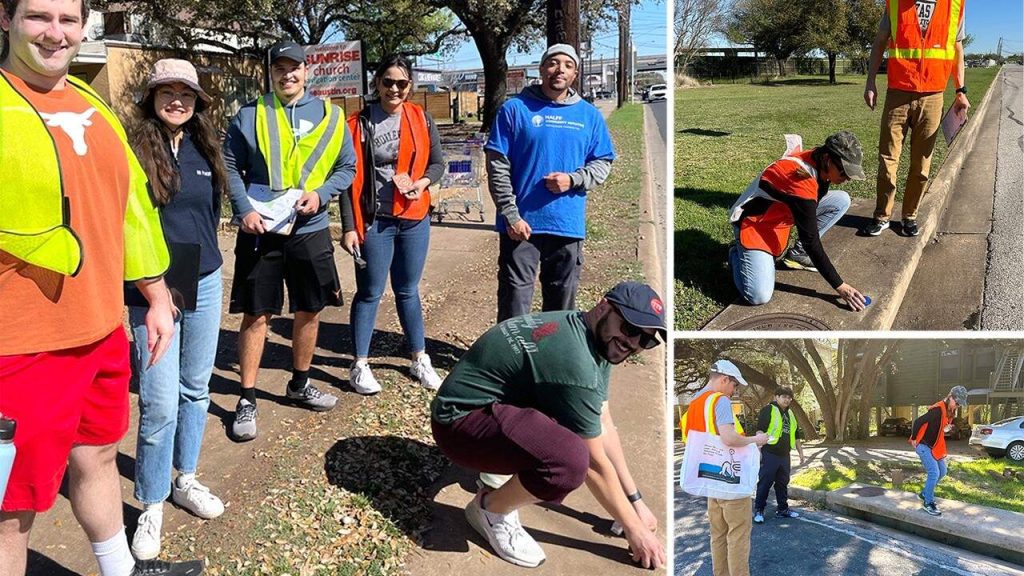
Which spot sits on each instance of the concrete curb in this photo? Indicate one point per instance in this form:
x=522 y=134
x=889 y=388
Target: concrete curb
x=647 y=233
x=980 y=529
x=939 y=190
x=815 y=497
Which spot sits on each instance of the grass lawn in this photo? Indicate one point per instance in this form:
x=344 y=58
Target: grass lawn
x=725 y=135
x=980 y=481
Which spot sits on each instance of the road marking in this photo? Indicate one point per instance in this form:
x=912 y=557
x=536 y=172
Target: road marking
x=906 y=553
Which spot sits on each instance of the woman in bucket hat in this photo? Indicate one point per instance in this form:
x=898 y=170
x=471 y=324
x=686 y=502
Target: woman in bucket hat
x=178 y=147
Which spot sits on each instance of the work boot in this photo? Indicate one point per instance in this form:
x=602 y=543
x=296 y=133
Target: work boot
x=161 y=568
x=875 y=228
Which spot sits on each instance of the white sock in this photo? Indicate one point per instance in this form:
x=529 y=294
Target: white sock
x=185 y=479
x=114 y=556
x=158 y=507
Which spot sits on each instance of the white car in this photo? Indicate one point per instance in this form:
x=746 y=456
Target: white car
x=1005 y=437
x=657 y=92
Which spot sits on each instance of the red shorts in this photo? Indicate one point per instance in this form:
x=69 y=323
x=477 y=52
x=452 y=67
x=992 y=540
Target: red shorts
x=60 y=399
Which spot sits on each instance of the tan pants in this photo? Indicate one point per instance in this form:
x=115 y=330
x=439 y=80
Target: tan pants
x=921 y=114
x=731 y=522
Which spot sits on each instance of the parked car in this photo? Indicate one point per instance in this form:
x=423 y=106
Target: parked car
x=895 y=427
x=958 y=429
x=657 y=92
x=1004 y=438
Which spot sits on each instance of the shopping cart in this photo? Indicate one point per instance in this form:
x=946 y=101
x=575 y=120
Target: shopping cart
x=460 y=189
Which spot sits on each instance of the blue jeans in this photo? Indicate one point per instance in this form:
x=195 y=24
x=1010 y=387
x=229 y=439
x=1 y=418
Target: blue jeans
x=398 y=247
x=175 y=393
x=753 y=271
x=936 y=470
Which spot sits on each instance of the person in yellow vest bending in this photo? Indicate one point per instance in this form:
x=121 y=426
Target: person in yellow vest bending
x=925 y=44
x=285 y=141
x=929 y=440
x=76 y=221
x=711 y=412
x=779 y=422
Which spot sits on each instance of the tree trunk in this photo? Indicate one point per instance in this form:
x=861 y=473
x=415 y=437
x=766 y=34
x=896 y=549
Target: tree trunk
x=492 y=54
x=832 y=68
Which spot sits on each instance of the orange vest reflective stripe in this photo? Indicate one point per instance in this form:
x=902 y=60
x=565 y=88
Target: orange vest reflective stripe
x=413 y=156
x=939 y=449
x=922 y=62
x=770 y=231
x=700 y=415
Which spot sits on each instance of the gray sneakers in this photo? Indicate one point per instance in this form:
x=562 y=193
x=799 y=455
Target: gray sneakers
x=505 y=534
x=312 y=398
x=243 y=428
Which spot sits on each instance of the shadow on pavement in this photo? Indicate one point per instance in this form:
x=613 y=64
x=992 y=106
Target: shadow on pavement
x=40 y=565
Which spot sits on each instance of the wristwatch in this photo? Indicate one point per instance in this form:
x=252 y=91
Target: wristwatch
x=634 y=497
x=962 y=90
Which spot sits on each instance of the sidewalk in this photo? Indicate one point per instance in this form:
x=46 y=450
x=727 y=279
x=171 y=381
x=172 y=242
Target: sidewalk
x=881 y=268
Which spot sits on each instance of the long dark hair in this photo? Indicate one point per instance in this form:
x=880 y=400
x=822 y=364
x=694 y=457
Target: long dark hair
x=151 y=144
x=391 y=61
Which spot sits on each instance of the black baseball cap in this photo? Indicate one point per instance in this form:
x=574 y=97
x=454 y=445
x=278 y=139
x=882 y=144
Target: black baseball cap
x=287 y=49
x=640 y=305
x=844 y=147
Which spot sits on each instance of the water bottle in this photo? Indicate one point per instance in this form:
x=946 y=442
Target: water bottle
x=7 y=450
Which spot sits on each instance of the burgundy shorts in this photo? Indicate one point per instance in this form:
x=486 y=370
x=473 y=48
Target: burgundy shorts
x=60 y=399
x=551 y=460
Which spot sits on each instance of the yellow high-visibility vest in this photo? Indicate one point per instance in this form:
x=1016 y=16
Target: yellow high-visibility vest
x=305 y=163
x=775 y=427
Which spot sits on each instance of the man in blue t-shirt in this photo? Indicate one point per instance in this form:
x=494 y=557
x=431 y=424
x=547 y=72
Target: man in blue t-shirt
x=546 y=149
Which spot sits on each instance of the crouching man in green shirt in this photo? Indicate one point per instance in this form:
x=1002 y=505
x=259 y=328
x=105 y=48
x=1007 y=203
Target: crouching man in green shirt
x=530 y=398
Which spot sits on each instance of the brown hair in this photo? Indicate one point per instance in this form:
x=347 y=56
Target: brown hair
x=151 y=145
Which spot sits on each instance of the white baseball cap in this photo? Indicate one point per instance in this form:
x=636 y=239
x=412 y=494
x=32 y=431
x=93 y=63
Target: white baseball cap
x=726 y=368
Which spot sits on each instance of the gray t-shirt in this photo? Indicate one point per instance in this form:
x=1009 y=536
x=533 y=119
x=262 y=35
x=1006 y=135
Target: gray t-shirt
x=385 y=129
x=925 y=9
x=723 y=409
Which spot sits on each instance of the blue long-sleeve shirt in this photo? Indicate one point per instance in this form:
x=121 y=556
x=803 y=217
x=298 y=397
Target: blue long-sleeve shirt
x=246 y=164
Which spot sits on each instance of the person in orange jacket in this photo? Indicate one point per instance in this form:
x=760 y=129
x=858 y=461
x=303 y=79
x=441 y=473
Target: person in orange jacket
x=929 y=441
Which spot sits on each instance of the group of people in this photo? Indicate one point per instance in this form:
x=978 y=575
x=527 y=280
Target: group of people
x=89 y=212
x=778 y=433
x=924 y=40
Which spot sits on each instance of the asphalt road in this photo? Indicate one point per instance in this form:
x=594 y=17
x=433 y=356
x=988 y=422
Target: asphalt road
x=822 y=543
x=1004 y=283
x=660 y=110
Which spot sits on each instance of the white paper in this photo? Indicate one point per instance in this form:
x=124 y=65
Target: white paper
x=952 y=123
x=277 y=208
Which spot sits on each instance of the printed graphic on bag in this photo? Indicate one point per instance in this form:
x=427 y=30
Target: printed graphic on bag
x=728 y=471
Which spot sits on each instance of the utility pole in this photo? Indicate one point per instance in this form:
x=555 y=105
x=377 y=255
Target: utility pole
x=623 y=66
x=999 y=49
x=563 y=27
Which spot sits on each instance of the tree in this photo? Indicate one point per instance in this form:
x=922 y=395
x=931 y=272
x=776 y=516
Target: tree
x=776 y=27
x=695 y=22
x=827 y=30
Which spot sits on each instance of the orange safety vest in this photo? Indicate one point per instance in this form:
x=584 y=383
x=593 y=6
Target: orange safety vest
x=413 y=156
x=700 y=415
x=939 y=449
x=795 y=175
x=922 y=61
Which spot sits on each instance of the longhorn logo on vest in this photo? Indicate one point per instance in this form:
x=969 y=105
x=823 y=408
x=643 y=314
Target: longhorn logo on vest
x=73 y=125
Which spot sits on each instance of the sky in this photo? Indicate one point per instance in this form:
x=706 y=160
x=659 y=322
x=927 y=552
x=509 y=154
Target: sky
x=649 y=24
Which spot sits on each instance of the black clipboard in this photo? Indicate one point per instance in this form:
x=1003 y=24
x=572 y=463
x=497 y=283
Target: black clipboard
x=182 y=278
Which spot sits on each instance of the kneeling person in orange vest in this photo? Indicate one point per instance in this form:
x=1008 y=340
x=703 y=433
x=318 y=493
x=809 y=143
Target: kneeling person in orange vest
x=794 y=191
x=711 y=412
x=783 y=435
x=929 y=441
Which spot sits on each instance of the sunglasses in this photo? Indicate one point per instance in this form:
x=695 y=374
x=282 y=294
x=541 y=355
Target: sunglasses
x=391 y=83
x=647 y=341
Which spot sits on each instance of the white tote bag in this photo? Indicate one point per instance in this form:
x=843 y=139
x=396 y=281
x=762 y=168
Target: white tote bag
x=714 y=470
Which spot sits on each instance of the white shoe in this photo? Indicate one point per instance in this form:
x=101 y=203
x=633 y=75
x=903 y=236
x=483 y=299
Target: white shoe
x=197 y=499
x=423 y=370
x=360 y=377
x=505 y=534
x=146 y=542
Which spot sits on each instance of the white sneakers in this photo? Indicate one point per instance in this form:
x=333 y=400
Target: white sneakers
x=146 y=542
x=362 y=380
x=191 y=496
x=423 y=370
x=505 y=534
x=196 y=498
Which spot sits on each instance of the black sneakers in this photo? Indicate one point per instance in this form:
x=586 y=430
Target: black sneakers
x=797 y=260
x=910 y=227
x=875 y=228
x=161 y=568
x=930 y=508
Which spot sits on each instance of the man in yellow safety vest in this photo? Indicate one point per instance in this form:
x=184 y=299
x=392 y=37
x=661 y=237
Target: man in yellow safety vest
x=779 y=422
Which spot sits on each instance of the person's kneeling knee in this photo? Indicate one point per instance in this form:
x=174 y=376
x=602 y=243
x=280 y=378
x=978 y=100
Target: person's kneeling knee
x=758 y=296
x=562 y=476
